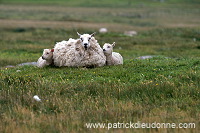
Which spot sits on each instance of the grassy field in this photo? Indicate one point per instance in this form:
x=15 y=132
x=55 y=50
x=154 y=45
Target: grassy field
x=164 y=89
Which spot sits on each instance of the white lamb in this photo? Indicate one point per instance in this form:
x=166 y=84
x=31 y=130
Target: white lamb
x=46 y=58
x=83 y=52
x=112 y=58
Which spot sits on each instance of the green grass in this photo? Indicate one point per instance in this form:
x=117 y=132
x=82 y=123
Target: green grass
x=163 y=89
x=138 y=90
x=100 y=3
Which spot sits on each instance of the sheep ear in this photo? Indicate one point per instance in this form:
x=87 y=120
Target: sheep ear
x=52 y=50
x=78 y=34
x=113 y=44
x=93 y=34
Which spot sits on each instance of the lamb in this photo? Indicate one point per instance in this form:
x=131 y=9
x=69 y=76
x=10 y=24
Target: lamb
x=112 y=58
x=46 y=58
x=83 y=52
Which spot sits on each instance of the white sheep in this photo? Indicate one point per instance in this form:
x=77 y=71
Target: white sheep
x=65 y=53
x=130 y=33
x=93 y=55
x=103 y=30
x=46 y=58
x=112 y=58
x=83 y=52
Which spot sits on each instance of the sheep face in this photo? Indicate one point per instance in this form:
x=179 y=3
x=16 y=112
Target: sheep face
x=85 y=40
x=108 y=48
x=47 y=54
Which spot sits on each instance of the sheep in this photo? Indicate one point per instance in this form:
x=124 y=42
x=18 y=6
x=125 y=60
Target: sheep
x=112 y=58
x=93 y=54
x=103 y=30
x=65 y=53
x=82 y=52
x=46 y=58
x=130 y=33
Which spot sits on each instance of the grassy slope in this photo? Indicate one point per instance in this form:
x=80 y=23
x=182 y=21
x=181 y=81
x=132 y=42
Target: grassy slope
x=160 y=89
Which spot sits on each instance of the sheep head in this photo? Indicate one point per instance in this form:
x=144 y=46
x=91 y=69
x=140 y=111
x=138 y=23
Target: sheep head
x=108 y=48
x=85 y=39
x=47 y=54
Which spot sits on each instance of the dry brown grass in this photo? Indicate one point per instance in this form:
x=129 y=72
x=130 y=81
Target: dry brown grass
x=61 y=24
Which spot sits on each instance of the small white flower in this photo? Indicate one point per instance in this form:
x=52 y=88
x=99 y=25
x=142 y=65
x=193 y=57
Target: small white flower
x=18 y=71
x=37 y=98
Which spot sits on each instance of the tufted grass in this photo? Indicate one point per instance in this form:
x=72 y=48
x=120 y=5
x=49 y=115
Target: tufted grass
x=160 y=89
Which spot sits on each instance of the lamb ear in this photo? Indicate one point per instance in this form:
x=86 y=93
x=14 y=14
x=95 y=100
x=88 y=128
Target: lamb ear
x=93 y=34
x=52 y=50
x=78 y=33
x=78 y=41
x=113 y=44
